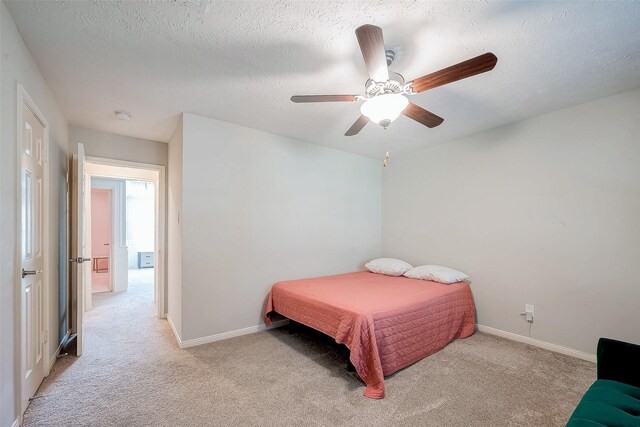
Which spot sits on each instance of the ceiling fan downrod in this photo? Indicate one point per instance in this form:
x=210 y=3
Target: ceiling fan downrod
x=390 y=55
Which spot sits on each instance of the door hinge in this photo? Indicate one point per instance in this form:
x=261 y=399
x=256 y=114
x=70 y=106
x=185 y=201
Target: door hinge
x=45 y=337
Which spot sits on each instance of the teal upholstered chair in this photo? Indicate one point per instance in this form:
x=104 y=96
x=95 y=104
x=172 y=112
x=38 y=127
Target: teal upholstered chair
x=614 y=399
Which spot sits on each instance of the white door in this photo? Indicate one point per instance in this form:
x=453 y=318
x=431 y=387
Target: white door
x=78 y=260
x=33 y=331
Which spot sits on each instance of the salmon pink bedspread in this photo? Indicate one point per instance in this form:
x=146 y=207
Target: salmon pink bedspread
x=387 y=322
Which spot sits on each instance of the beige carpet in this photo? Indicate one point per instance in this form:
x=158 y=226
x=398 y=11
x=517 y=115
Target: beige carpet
x=133 y=374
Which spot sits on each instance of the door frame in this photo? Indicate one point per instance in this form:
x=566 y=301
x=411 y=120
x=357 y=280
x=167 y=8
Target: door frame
x=23 y=98
x=160 y=251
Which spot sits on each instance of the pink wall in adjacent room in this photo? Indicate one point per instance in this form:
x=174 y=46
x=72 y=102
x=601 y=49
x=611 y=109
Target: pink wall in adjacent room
x=101 y=234
x=100 y=222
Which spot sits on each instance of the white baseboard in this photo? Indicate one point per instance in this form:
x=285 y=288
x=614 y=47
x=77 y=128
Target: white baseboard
x=537 y=343
x=175 y=332
x=231 y=334
x=57 y=352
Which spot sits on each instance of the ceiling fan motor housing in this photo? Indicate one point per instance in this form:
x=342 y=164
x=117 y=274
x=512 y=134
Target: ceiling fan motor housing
x=395 y=84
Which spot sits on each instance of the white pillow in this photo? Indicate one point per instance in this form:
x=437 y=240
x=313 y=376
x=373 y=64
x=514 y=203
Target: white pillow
x=436 y=273
x=388 y=266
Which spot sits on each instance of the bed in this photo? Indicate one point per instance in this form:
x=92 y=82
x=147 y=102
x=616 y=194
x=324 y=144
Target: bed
x=387 y=322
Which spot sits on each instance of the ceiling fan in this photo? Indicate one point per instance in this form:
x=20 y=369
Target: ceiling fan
x=385 y=94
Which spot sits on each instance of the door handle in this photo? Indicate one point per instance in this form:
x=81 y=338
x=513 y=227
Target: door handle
x=26 y=273
x=80 y=260
x=106 y=244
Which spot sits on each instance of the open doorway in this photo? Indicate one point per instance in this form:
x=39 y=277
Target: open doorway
x=91 y=173
x=121 y=235
x=124 y=230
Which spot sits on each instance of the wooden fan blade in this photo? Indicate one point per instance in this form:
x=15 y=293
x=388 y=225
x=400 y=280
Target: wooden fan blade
x=357 y=126
x=421 y=115
x=372 y=47
x=471 y=67
x=324 y=98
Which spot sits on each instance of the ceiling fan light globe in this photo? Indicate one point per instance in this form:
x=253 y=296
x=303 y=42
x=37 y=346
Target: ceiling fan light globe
x=383 y=109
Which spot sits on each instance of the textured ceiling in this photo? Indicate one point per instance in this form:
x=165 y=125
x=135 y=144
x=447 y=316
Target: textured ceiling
x=241 y=61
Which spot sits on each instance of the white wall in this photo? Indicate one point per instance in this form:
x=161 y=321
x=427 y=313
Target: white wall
x=174 y=236
x=544 y=211
x=110 y=146
x=259 y=208
x=17 y=66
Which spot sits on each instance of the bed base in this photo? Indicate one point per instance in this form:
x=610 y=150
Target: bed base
x=295 y=327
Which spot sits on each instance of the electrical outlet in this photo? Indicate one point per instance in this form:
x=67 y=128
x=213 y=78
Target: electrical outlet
x=529 y=312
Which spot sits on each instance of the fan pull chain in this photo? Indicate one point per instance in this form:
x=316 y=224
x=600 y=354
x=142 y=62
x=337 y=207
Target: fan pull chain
x=386 y=159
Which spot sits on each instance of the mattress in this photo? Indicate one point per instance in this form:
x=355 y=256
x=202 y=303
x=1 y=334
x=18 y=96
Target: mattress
x=386 y=322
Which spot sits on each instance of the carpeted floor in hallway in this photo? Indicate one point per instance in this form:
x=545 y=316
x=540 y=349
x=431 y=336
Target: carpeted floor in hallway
x=132 y=373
